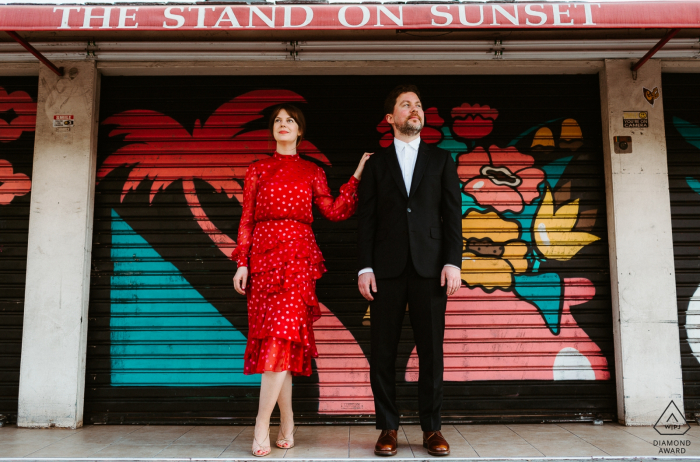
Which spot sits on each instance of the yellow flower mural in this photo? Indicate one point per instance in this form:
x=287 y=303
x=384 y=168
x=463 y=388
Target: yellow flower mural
x=543 y=140
x=571 y=136
x=553 y=229
x=493 y=251
x=514 y=234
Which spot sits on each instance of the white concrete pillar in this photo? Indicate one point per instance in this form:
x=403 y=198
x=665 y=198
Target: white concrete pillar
x=52 y=372
x=645 y=316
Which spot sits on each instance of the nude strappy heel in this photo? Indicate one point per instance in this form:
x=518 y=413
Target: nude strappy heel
x=289 y=440
x=265 y=450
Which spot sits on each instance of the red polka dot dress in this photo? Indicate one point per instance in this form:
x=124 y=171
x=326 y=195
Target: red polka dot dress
x=276 y=243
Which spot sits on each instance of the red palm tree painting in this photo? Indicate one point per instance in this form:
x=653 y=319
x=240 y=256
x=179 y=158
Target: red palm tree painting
x=19 y=111
x=12 y=184
x=23 y=114
x=219 y=152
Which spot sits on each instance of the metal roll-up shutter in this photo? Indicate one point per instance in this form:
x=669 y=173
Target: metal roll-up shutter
x=17 y=122
x=681 y=95
x=529 y=336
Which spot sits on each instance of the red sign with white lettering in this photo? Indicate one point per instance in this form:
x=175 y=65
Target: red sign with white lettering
x=682 y=14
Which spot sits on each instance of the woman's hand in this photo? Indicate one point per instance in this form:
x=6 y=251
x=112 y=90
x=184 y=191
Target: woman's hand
x=361 y=167
x=240 y=279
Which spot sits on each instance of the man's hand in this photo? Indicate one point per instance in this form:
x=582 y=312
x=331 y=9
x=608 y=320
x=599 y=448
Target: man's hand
x=365 y=281
x=452 y=276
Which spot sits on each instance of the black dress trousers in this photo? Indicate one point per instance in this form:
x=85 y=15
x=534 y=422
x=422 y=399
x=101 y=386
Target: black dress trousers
x=426 y=308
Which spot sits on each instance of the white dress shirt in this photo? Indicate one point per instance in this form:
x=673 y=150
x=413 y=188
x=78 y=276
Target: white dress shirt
x=406 y=153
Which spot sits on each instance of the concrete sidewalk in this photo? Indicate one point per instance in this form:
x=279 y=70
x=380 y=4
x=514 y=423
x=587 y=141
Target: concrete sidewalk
x=532 y=441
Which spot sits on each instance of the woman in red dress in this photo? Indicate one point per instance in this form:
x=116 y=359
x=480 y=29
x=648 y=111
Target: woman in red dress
x=276 y=246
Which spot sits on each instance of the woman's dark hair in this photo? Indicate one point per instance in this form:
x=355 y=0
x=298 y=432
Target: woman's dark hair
x=294 y=112
x=394 y=94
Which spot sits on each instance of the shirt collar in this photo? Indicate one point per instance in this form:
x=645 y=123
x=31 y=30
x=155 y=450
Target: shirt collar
x=401 y=145
x=285 y=157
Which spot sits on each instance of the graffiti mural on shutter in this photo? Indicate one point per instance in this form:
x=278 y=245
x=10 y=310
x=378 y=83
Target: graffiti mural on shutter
x=528 y=334
x=681 y=95
x=17 y=122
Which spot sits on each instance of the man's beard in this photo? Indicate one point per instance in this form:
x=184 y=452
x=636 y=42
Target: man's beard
x=409 y=129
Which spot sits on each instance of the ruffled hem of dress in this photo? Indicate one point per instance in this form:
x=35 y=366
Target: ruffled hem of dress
x=275 y=271
x=272 y=255
x=264 y=320
x=278 y=355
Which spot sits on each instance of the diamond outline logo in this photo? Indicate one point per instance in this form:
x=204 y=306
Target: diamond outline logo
x=672 y=423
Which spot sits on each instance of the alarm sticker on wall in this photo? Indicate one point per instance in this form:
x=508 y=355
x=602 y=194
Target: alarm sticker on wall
x=635 y=119
x=63 y=122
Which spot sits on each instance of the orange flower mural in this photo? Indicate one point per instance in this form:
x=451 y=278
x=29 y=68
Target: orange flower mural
x=502 y=178
x=473 y=122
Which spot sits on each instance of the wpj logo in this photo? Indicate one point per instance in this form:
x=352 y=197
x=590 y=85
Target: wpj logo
x=671 y=422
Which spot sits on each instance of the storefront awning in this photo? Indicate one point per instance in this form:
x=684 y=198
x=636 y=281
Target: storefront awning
x=282 y=16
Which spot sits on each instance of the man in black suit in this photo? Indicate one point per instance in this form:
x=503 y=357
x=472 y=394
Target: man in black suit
x=410 y=251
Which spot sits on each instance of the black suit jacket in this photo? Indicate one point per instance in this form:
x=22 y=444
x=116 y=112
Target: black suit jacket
x=427 y=222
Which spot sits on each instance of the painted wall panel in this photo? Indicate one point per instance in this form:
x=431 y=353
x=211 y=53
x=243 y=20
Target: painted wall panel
x=681 y=93
x=529 y=335
x=17 y=122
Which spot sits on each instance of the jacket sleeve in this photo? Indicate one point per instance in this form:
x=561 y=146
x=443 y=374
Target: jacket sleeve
x=341 y=208
x=451 y=211
x=366 y=216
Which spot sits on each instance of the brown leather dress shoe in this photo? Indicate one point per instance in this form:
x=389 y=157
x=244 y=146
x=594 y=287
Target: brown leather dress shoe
x=436 y=444
x=386 y=444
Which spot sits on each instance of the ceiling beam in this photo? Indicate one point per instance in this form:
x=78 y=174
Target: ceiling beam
x=657 y=47
x=56 y=70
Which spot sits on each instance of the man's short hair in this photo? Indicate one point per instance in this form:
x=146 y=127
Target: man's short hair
x=394 y=94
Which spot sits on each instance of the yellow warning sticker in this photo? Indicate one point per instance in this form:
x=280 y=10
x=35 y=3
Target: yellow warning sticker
x=635 y=119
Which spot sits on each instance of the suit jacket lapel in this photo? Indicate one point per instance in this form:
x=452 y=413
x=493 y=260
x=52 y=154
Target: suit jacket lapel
x=395 y=169
x=421 y=162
